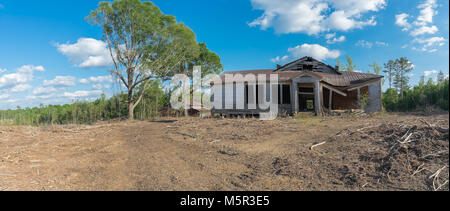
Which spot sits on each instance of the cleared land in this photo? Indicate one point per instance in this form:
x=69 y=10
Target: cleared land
x=380 y=152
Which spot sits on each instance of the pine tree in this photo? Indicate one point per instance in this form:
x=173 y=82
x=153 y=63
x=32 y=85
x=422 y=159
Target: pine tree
x=441 y=77
x=389 y=70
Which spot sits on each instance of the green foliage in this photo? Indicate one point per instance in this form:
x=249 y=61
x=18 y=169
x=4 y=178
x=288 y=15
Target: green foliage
x=101 y=109
x=401 y=80
x=144 y=43
x=339 y=64
x=377 y=70
x=419 y=97
x=364 y=101
x=350 y=66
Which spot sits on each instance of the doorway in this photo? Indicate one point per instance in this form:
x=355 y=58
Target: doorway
x=306 y=103
x=306 y=99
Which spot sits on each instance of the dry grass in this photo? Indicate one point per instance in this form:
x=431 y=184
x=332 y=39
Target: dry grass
x=230 y=154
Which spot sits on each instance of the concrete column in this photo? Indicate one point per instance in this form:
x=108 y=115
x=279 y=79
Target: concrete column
x=294 y=96
x=280 y=87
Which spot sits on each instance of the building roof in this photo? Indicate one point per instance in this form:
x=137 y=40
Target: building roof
x=330 y=75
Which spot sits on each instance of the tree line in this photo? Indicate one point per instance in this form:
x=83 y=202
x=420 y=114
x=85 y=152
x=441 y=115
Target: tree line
x=399 y=96
x=155 y=103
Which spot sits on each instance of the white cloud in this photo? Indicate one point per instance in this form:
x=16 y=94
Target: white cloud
x=20 y=88
x=402 y=20
x=101 y=86
x=18 y=79
x=2 y=70
x=101 y=82
x=42 y=96
x=314 y=50
x=422 y=26
x=430 y=72
x=82 y=94
x=364 y=44
x=101 y=79
x=428 y=43
x=332 y=40
x=44 y=90
x=315 y=16
x=30 y=68
x=84 y=81
x=12 y=101
x=60 y=81
x=280 y=59
x=379 y=43
x=329 y=36
x=424 y=30
x=87 y=53
x=428 y=10
x=4 y=96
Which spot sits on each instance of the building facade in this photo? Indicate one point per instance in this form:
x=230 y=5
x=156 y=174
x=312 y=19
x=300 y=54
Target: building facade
x=304 y=85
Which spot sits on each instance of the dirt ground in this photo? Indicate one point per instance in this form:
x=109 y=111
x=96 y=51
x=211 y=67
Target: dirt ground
x=378 y=152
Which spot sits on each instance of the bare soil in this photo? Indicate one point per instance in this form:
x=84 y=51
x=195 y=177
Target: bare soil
x=378 y=152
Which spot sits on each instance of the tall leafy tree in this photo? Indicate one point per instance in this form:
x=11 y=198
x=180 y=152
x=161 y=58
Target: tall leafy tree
x=144 y=43
x=422 y=81
x=208 y=61
x=350 y=66
x=377 y=70
x=339 y=64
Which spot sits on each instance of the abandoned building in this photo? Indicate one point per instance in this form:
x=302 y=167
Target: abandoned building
x=304 y=85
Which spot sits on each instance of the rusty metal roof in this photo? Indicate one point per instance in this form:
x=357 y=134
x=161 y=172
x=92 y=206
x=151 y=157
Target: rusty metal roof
x=339 y=79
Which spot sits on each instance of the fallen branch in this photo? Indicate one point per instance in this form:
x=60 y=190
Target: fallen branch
x=435 y=154
x=435 y=177
x=445 y=183
x=418 y=170
x=316 y=145
x=406 y=139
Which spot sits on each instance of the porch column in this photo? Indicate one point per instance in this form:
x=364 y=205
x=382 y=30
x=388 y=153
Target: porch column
x=317 y=96
x=280 y=87
x=359 y=98
x=295 y=100
x=330 y=101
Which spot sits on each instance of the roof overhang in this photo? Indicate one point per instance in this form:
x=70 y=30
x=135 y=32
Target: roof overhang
x=364 y=84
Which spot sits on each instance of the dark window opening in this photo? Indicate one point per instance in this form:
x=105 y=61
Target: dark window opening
x=257 y=94
x=279 y=94
x=246 y=94
x=306 y=90
x=286 y=93
x=306 y=103
x=307 y=67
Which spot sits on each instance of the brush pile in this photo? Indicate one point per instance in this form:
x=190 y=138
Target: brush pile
x=406 y=152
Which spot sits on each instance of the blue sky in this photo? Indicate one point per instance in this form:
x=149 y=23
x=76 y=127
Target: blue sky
x=49 y=54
